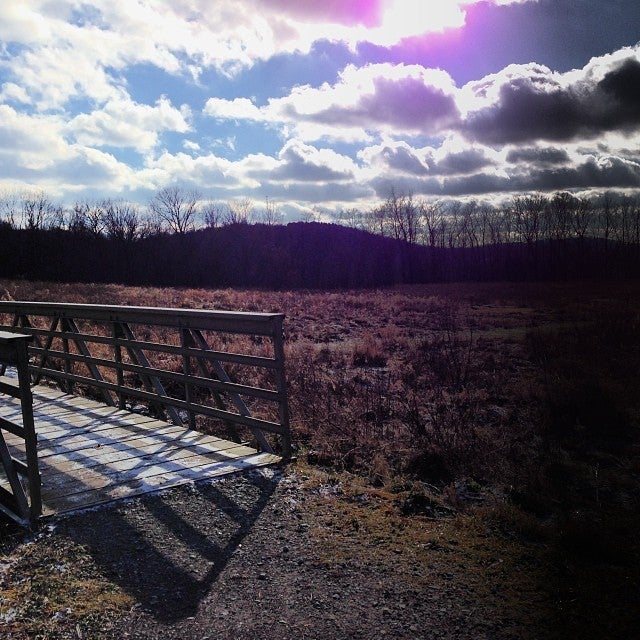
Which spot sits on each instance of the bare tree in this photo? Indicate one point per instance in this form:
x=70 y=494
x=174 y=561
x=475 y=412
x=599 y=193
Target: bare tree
x=352 y=217
x=175 y=208
x=404 y=216
x=87 y=217
x=212 y=214
x=271 y=213
x=238 y=212
x=528 y=212
x=9 y=208
x=607 y=213
x=122 y=220
x=433 y=222
x=310 y=215
x=376 y=220
x=561 y=208
x=39 y=212
x=469 y=224
x=581 y=218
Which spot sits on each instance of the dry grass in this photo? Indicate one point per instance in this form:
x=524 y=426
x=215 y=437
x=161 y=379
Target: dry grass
x=514 y=406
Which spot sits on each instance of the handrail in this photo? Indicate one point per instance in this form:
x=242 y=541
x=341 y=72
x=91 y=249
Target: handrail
x=24 y=506
x=171 y=359
x=239 y=322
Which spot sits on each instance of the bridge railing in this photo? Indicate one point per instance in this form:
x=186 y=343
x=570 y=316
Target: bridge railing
x=20 y=497
x=214 y=371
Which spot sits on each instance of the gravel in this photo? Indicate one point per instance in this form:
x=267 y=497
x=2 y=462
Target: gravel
x=263 y=555
x=266 y=555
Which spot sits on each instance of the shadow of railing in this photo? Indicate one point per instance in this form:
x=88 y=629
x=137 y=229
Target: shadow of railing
x=167 y=550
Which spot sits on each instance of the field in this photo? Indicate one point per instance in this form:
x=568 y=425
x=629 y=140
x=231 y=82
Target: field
x=512 y=408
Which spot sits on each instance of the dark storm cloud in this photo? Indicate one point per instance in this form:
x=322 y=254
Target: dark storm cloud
x=408 y=103
x=461 y=162
x=534 y=104
x=477 y=184
x=416 y=186
x=602 y=173
x=545 y=156
x=318 y=193
x=404 y=159
x=596 y=174
x=622 y=85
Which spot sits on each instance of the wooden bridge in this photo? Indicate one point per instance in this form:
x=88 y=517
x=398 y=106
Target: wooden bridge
x=102 y=402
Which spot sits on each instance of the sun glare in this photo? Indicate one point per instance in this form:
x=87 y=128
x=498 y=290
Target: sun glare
x=406 y=18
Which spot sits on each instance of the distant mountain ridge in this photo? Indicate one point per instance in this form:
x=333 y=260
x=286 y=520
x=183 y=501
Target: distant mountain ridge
x=298 y=255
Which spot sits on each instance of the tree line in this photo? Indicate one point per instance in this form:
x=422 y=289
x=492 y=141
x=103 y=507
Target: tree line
x=523 y=218
x=442 y=223
x=181 y=240
x=171 y=210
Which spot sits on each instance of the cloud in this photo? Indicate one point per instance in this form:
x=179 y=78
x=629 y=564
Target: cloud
x=72 y=104
x=396 y=158
x=461 y=161
x=83 y=48
x=543 y=156
x=12 y=92
x=379 y=97
x=594 y=172
x=303 y=163
x=345 y=12
x=123 y=123
x=29 y=143
x=204 y=172
x=34 y=153
x=530 y=102
x=236 y=109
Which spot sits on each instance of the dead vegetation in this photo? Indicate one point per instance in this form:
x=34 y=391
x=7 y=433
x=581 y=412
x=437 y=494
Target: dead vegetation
x=511 y=409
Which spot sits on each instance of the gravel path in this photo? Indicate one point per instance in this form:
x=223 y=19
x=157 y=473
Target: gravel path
x=268 y=555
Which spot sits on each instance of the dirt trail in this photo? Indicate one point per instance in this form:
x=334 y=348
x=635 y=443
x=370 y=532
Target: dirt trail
x=267 y=555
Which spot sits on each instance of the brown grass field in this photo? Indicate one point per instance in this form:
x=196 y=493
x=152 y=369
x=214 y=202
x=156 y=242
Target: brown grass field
x=514 y=406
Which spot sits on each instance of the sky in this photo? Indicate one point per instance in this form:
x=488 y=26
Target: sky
x=319 y=105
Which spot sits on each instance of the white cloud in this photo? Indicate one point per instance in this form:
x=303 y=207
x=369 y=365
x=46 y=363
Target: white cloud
x=80 y=47
x=11 y=92
x=380 y=98
x=123 y=123
x=30 y=143
x=191 y=145
x=236 y=109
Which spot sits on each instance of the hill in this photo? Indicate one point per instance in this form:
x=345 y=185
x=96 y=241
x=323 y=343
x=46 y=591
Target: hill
x=296 y=256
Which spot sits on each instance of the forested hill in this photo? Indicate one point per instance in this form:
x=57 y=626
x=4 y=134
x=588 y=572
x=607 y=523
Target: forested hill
x=298 y=255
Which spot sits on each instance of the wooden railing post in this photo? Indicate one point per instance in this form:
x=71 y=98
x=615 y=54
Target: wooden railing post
x=13 y=352
x=281 y=385
x=111 y=350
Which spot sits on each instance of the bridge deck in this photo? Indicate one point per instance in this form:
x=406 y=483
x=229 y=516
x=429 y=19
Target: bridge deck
x=90 y=453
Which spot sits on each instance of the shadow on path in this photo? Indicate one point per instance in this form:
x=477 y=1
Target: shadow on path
x=167 y=550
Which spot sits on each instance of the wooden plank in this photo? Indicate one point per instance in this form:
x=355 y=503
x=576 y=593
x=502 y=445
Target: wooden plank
x=94 y=453
x=86 y=446
x=135 y=487
x=62 y=419
x=148 y=452
x=239 y=403
x=178 y=462
x=70 y=325
x=73 y=493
